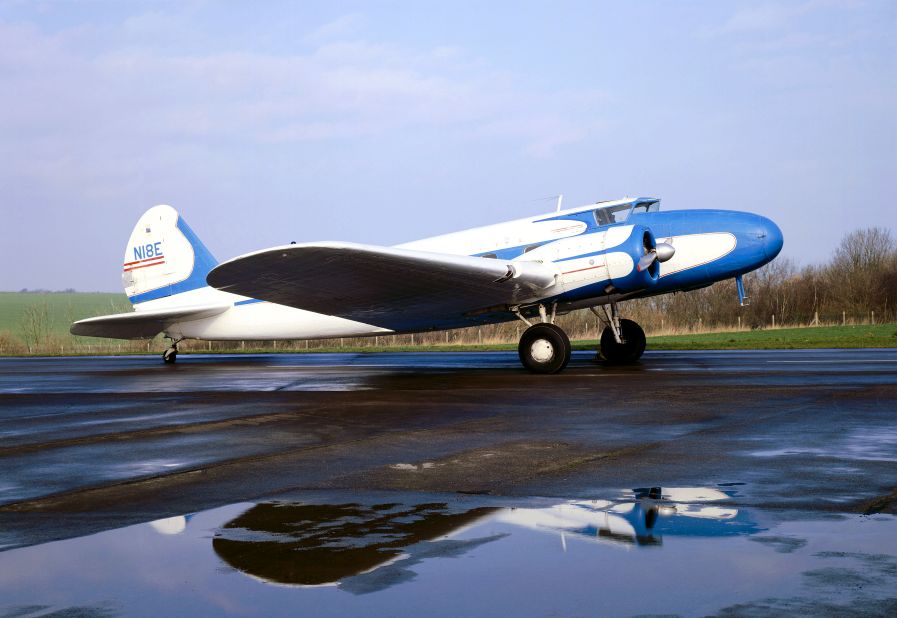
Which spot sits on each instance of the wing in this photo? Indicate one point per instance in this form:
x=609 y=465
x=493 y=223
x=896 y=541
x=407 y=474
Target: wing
x=400 y=289
x=142 y=324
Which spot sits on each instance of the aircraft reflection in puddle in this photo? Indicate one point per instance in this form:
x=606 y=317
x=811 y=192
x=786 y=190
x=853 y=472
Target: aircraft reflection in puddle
x=364 y=548
x=643 y=520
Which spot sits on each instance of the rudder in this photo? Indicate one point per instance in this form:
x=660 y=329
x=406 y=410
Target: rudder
x=164 y=257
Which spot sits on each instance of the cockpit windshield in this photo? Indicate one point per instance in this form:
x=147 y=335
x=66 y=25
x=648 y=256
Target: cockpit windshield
x=619 y=213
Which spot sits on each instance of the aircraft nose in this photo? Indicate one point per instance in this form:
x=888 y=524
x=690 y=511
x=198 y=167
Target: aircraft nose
x=770 y=236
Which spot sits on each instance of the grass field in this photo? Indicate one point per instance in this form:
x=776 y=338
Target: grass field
x=860 y=336
x=63 y=308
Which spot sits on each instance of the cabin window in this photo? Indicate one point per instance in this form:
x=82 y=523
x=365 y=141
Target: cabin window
x=642 y=207
x=610 y=215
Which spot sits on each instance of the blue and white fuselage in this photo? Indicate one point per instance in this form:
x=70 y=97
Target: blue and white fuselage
x=580 y=257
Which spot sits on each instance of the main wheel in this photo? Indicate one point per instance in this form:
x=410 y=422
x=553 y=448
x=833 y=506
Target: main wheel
x=544 y=348
x=630 y=350
x=170 y=356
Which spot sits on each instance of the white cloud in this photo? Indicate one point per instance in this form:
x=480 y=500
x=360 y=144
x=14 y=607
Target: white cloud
x=344 y=26
x=763 y=17
x=340 y=90
x=774 y=16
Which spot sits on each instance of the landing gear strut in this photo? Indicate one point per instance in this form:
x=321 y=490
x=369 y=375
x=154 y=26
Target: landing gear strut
x=622 y=341
x=543 y=348
x=170 y=356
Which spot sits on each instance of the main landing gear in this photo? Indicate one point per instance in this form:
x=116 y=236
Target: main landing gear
x=543 y=348
x=170 y=355
x=622 y=341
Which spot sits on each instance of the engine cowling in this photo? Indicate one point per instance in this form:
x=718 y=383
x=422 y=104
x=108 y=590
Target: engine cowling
x=634 y=265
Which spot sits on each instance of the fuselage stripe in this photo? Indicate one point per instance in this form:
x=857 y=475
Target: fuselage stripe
x=161 y=261
x=580 y=270
x=149 y=259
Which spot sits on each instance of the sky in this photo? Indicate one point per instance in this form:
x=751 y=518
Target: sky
x=383 y=122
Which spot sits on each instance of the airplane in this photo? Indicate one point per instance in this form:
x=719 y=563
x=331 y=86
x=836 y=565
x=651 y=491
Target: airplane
x=531 y=269
x=307 y=544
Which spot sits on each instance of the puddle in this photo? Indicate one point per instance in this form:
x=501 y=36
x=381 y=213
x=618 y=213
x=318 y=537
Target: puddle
x=651 y=550
x=863 y=444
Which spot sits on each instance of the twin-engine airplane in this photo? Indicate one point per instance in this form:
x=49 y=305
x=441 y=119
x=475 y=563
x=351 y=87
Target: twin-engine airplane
x=530 y=269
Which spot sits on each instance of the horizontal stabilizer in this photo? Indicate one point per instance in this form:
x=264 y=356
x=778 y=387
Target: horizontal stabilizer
x=142 y=324
x=394 y=288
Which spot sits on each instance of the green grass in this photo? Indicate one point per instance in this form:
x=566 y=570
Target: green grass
x=862 y=336
x=62 y=308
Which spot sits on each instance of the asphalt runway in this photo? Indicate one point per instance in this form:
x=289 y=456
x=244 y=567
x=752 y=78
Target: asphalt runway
x=91 y=445
x=815 y=428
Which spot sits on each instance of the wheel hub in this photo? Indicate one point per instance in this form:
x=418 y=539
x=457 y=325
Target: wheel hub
x=542 y=351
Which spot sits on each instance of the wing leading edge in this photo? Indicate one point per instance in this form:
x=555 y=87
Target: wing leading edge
x=400 y=289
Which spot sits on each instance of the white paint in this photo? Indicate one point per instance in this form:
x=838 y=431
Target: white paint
x=157 y=229
x=560 y=240
x=541 y=350
x=696 y=250
x=271 y=321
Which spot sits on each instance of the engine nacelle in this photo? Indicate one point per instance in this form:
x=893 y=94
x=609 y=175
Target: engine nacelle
x=633 y=264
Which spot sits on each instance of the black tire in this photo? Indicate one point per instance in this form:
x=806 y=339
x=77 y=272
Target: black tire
x=630 y=350
x=544 y=348
x=170 y=356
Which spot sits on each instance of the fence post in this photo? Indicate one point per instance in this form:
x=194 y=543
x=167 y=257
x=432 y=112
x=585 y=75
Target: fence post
x=739 y=322
x=873 y=317
x=773 y=320
x=815 y=318
x=412 y=338
x=843 y=318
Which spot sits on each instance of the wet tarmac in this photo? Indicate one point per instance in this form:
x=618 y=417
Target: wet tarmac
x=451 y=484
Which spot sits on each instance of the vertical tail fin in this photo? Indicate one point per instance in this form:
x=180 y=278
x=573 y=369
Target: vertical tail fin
x=164 y=257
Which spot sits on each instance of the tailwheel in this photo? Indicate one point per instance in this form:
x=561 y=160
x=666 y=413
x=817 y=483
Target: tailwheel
x=629 y=349
x=544 y=348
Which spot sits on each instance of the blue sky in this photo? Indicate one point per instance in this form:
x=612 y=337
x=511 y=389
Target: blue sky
x=384 y=122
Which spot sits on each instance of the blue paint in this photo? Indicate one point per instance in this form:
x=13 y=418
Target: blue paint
x=758 y=241
x=248 y=301
x=203 y=262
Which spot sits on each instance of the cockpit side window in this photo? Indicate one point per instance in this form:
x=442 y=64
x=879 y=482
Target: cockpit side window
x=646 y=207
x=602 y=217
x=611 y=215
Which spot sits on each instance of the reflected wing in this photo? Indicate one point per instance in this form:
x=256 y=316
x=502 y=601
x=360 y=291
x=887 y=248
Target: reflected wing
x=142 y=324
x=400 y=289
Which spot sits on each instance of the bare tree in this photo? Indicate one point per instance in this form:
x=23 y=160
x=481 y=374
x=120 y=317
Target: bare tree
x=35 y=325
